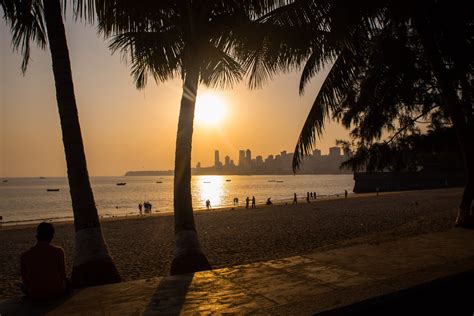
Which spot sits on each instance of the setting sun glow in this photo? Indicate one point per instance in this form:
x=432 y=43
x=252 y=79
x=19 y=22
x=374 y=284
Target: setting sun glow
x=210 y=109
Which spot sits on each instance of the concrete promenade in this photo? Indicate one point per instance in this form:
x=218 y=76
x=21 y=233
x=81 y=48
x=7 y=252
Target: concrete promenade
x=432 y=271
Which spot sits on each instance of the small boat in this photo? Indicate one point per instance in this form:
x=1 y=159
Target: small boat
x=52 y=190
x=228 y=180
x=121 y=183
x=207 y=181
x=271 y=180
x=159 y=181
x=42 y=178
x=279 y=181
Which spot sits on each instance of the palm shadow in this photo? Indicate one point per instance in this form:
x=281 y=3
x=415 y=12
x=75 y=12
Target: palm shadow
x=170 y=295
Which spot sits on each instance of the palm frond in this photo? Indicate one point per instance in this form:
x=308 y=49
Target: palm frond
x=339 y=80
x=151 y=53
x=26 y=22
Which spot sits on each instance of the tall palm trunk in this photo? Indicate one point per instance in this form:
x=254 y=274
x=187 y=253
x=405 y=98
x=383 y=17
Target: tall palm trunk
x=188 y=256
x=92 y=262
x=461 y=123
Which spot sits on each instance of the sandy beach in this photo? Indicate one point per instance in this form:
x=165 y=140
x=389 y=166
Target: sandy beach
x=142 y=246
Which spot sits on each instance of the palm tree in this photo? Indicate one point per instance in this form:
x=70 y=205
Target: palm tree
x=38 y=20
x=368 y=85
x=193 y=40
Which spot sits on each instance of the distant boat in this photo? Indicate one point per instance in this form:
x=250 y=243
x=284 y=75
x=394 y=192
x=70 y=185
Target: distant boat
x=271 y=181
x=159 y=181
x=42 y=178
x=228 y=180
x=121 y=183
x=279 y=181
x=5 y=180
x=207 y=181
x=52 y=190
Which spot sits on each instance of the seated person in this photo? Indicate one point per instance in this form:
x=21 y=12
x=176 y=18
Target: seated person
x=43 y=270
x=269 y=202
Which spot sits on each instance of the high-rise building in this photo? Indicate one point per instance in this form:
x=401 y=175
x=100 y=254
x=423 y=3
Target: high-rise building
x=217 y=161
x=227 y=160
x=334 y=151
x=317 y=153
x=248 y=155
x=241 y=157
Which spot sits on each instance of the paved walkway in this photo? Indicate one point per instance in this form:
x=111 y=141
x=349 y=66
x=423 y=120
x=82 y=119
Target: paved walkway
x=331 y=280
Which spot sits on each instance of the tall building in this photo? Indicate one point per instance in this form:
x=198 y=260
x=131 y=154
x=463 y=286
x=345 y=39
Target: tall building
x=241 y=157
x=227 y=160
x=317 y=153
x=217 y=161
x=248 y=156
x=334 y=151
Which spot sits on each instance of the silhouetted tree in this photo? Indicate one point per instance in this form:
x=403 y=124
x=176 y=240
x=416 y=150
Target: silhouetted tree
x=389 y=63
x=192 y=40
x=41 y=22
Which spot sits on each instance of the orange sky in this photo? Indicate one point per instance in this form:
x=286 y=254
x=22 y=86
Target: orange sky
x=126 y=129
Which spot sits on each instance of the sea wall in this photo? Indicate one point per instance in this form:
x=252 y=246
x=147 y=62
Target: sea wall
x=399 y=181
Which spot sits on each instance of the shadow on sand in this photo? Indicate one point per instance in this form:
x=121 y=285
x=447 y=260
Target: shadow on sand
x=24 y=306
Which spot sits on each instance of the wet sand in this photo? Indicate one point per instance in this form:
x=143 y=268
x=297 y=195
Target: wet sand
x=142 y=246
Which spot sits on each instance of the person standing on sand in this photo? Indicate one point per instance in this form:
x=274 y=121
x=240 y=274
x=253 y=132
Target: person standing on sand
x=345 y=193
x=43 y=271
x=307 y=197
x=314 y=195
x=253 y=201
x=295 y=200
x=247 y=200
x=140 y=208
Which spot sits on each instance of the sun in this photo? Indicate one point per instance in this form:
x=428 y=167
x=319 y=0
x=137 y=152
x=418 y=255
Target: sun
x=210 y=109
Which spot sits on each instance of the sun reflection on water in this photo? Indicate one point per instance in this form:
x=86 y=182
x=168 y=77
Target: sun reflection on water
x=212 y=188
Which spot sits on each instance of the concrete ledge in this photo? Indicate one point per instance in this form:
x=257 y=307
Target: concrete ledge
x=363 y=279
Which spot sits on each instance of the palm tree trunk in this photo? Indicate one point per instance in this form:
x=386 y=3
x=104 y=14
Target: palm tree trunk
x=461 y=123
x=188 y=256
x=92 y=262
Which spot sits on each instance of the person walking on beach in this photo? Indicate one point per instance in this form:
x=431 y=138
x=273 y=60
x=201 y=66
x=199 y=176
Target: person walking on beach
x=307 y=197
x=247 y=200
x=345 y=194
x=295 y=200
x=311 y=194
x=140 y=206
x=208 y=204
x=43 y=271
x=253 y=201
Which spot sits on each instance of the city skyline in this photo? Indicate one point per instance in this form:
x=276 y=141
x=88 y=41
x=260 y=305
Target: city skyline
x=124 y=128
x=317 y=163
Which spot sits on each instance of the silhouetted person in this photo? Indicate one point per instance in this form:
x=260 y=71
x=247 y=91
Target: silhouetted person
x=295 y=200
x=307 y=197
x=314 y=195
x=311 y=194
x=43 y=270
x=253 y=201
x=208 y=204
x=345 y=194
x=269 y=202
x=236 y=200
x=140 y=208
x=247 y=201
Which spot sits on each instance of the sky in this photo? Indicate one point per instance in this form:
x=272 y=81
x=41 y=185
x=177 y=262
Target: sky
x=128 y=129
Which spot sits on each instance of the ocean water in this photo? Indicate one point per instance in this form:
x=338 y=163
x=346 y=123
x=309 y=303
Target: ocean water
x=27 y=199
